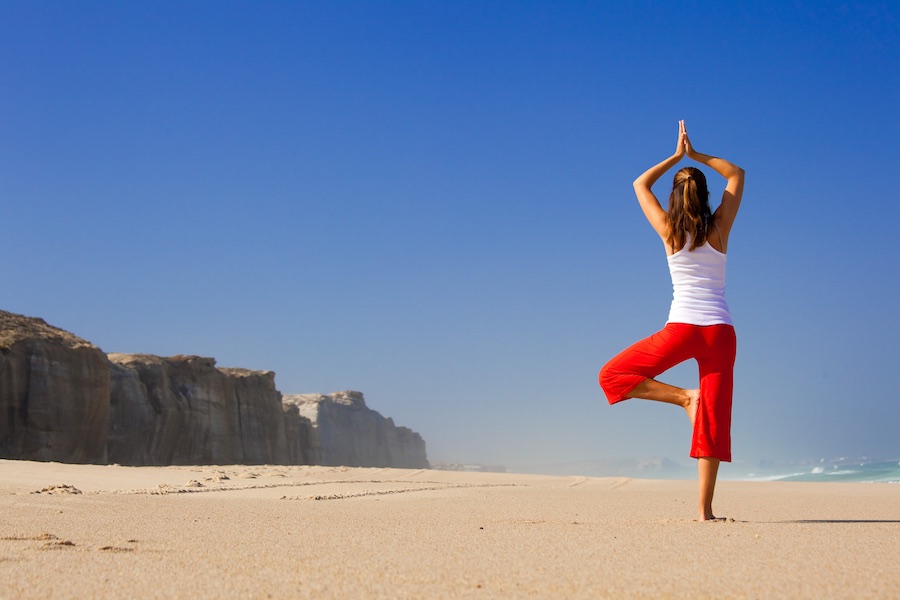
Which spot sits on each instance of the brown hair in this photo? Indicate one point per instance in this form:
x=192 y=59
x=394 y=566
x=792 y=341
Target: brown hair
x=688 y=209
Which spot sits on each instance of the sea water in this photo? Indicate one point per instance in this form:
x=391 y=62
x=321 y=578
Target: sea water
x=884 y=471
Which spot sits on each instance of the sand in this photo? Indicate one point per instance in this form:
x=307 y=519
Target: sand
x=87 y=531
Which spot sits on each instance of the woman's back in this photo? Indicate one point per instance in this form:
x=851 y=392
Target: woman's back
x=714 y=238
x=698 y=286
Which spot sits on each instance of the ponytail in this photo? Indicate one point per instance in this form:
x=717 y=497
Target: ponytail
x=688 y=214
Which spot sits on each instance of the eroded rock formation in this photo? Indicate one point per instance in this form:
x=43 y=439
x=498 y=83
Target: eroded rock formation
x=63 y=399
x=347 y=432
x=184 y=410
x=54 y=393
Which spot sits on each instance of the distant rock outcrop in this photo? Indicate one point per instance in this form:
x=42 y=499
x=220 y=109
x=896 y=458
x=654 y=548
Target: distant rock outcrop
x=346 y=432
x=62 y=399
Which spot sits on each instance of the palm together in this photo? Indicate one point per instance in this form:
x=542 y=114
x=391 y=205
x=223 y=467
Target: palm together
x=684 y=143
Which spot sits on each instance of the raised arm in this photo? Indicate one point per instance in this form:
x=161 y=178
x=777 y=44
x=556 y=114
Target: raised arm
x=734 y=188
x=643 y=184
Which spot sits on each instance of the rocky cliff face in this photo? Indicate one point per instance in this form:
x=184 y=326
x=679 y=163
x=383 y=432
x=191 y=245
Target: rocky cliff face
x=54 y=393
x=346 y=432
x=184 y=410
x=63 y=399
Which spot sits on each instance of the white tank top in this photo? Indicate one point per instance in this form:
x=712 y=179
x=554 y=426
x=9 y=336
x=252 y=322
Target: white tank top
x=698 y=286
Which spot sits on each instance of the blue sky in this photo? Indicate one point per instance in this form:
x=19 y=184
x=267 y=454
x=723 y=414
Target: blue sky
x=430 y=202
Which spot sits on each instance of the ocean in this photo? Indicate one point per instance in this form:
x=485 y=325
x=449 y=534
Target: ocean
x=881 y=471
x=864 y=470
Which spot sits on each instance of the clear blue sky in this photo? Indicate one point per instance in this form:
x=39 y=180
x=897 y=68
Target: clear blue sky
x=430 y=202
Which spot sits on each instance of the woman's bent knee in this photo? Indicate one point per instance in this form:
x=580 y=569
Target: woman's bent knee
x=617 y=383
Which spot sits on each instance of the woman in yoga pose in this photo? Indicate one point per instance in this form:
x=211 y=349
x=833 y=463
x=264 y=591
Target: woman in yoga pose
x=699 y=324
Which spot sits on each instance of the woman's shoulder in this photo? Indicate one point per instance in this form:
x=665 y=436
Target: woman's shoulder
x=717 y=238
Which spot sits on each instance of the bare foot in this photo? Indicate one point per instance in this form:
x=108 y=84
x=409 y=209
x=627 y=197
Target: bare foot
x=713 y=519
x=692 y=404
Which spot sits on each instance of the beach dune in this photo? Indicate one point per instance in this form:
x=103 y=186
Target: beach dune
x=71 y=531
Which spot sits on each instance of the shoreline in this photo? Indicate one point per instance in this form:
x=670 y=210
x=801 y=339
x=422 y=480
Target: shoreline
x=334 y=532
x=845 y=471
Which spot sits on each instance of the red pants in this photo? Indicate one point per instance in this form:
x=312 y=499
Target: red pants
x=714 y=348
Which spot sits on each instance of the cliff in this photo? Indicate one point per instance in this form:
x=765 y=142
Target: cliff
x=54 y=393
x=184 y=410
x=62 y=399
x=347 y=432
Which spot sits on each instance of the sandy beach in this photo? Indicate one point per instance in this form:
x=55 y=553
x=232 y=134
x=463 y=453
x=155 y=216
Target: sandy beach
x=90 y=531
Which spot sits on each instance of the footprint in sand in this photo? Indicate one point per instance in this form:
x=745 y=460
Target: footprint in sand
x=58 y=489
x=114 y=549
x=51 y=542
x=57 y=545
x=217 y=477
x=21 y=538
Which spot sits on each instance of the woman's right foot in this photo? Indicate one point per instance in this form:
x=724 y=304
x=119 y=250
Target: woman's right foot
x=692 y=404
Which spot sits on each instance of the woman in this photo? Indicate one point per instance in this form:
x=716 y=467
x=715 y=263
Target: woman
x=699 y=324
